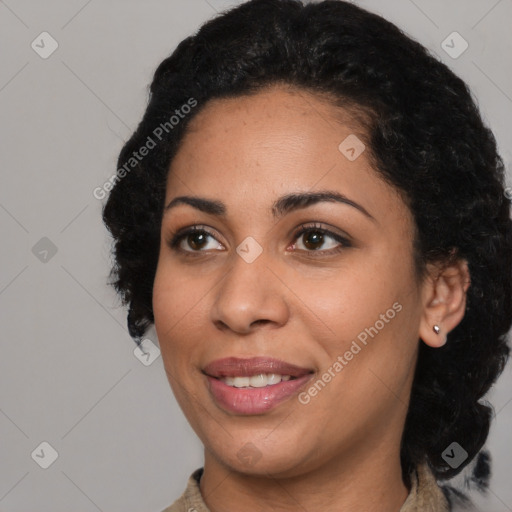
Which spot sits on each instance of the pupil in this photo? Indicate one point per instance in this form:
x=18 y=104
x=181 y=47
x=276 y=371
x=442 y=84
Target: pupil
x=193 y=240
x=314 y=238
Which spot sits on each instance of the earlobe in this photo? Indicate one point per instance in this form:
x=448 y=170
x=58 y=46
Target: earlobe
x=444 y=302
x=441 y=337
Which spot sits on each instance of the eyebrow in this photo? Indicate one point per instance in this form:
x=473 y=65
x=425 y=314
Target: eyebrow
x=281 y=207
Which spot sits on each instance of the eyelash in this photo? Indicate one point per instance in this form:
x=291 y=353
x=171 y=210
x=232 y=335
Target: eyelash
x=176 y=239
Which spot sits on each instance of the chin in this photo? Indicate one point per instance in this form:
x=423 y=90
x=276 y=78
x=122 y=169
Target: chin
x=261 y=458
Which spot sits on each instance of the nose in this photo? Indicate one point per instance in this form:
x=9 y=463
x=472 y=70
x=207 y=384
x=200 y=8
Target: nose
x=250 y=295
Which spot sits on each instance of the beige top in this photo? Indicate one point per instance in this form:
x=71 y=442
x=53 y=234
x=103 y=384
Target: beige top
x=425 y=495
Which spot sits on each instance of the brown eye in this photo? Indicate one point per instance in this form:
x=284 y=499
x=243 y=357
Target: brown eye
x=313 y=240
x=317 y=240
x=194 y=240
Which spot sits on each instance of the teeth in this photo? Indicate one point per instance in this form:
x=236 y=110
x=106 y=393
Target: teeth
x=256 y=381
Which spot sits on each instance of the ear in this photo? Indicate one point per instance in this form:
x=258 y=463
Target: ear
x=444 y=301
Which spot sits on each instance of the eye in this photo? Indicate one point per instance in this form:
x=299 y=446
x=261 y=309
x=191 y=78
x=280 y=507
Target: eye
x=196 y=238
x=315 y=238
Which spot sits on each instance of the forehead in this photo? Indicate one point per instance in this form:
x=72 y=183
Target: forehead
x=277 y=141
x=277 y=105
x=273 y=131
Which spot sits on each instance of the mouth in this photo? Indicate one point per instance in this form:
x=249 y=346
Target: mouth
x=255 y=385
x=234 y=367
x=261 y=380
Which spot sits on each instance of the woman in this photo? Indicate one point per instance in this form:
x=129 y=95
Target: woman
x=312 y=213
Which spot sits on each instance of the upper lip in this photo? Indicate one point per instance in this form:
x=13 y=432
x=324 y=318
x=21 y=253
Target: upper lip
x=236 y=367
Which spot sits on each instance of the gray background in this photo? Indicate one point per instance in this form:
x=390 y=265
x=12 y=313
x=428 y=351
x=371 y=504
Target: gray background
x=68 y=372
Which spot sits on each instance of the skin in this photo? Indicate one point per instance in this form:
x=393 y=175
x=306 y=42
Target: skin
x=298 y=301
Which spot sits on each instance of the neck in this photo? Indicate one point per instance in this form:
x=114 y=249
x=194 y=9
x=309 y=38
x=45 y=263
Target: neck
x=370 y=481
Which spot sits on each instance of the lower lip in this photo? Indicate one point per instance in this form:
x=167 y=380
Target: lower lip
x=254 y=400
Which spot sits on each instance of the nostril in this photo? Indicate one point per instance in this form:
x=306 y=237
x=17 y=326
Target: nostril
x=260 y=322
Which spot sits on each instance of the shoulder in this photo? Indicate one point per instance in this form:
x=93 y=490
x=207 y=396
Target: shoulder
x=191 y=499
x=425 y=495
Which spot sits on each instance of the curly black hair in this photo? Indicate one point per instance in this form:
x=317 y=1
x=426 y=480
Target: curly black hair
x=426 y=138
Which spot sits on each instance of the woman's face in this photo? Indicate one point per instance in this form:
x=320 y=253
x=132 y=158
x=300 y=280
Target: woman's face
x=337 y=305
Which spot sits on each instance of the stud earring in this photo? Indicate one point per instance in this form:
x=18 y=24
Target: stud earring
x=436 y=329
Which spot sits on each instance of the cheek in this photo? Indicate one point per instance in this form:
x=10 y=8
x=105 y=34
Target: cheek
x=173 y=309
x=166 y=307
x=175 y=298
x=175 y=321
x=367 y=313
x=349 y=301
